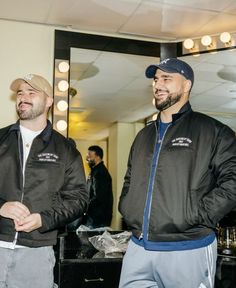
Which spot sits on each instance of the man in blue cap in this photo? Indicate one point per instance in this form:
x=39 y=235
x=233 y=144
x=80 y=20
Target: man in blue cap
x=181 y=179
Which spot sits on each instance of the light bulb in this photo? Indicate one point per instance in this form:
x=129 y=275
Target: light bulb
x=225 y=37
x=61 y=125
x=62 y=105
x=63 y=85
x=188 y=44
x=63 y=67
x=206 y=40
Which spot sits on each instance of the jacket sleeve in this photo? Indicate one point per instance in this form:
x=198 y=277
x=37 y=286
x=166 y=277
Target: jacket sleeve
x=72 y=200
x=222 y=198
x=103 y=189
x=126 y=183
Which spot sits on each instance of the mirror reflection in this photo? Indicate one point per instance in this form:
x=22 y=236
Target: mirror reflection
x=106 y=88
x=214 y=90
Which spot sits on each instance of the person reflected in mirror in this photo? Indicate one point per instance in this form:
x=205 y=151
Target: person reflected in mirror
x=99 y=185
x=180 y=181
x=42 y=188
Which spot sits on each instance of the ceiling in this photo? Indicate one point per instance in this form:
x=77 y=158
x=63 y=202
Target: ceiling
x=115 y=88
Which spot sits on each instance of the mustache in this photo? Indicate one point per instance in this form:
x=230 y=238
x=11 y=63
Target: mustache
x=161 y=90
x=24 y=102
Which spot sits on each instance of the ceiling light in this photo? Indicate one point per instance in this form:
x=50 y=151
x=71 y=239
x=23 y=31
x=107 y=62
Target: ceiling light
x=61 y=125
x=72 y=91
x=188 y=43
x=206 y=40
x=227 y=73
x=63 y=85
x=225 y=37
x=63 y=66
x=62 y=105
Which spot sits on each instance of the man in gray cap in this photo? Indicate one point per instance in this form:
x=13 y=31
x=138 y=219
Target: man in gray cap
x=181 y=179
x=42 y=187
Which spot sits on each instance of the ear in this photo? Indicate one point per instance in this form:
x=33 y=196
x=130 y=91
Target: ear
x=49 y=101
x=187 y=86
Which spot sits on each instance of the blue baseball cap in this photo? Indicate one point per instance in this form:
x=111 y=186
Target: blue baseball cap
x=171 y=65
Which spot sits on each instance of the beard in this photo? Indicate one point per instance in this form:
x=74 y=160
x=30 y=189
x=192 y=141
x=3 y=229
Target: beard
x=171 y=99
x=91 y=163
x=31 y=113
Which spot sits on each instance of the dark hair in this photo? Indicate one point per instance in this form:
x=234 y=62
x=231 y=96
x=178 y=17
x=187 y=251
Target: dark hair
x=98 y=150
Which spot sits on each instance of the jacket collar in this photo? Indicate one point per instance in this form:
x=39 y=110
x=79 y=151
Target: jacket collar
x=184 y=109
x=44 y=135
x=97 y=166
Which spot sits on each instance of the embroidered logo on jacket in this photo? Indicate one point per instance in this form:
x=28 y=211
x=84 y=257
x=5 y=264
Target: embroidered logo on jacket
x=181 y=141
x=47 y=157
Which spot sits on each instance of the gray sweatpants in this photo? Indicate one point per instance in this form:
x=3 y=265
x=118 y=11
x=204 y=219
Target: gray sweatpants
x=26 y=267
x=169 y=269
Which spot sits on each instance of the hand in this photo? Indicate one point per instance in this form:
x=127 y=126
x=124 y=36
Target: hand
x=14 y=210
x=29 y=223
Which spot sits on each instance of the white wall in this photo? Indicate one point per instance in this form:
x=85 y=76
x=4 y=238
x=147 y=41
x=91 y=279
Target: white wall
x=25 y=48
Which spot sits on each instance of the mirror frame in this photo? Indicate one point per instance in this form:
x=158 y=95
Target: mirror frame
x=65 y=40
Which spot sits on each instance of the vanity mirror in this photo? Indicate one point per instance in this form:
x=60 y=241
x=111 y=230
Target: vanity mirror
x=107 y=83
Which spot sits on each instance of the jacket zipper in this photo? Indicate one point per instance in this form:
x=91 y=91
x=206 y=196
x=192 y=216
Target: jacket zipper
x=144 y=229
x=145 y=233
x=23 y=184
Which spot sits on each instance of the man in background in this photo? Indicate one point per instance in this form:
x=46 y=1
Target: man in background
x=42 y=188
x=99 y=185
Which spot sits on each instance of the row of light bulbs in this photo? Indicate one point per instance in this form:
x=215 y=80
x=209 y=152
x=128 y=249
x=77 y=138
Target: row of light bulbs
x=207 y=41
x=63 y=85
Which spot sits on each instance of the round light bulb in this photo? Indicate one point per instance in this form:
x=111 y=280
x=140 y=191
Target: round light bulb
x=62 y=105
x=188 y=43
x=63 y=67
x=206 y=40
x=61 y=125
x=63 y=85
x=225 y=37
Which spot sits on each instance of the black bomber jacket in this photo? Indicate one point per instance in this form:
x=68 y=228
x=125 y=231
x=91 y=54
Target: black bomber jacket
x=54 y=183
x=195 y=178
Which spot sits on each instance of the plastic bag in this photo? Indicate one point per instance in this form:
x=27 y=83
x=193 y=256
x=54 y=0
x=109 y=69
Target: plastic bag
x=111 y=245
x=82 y=228
x=85 y=249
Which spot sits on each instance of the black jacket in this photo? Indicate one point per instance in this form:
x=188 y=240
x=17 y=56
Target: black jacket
x=54 y=184
x=101 y=197
x=195 y=178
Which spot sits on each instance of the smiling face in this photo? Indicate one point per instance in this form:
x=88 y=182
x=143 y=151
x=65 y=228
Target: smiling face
x=30 y=103
x=170 y=89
